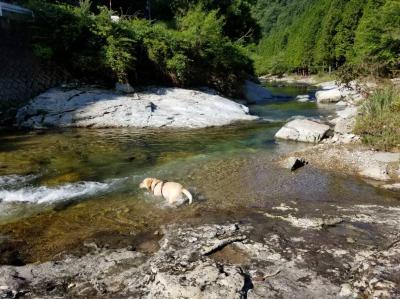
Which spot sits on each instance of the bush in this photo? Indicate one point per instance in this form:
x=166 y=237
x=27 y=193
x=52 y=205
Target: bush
x=379 y=122
x=93 y=47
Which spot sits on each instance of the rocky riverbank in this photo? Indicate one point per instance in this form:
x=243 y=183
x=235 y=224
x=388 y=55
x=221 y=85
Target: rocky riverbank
x=88 y=107
x=338 y=149
x=230 y=261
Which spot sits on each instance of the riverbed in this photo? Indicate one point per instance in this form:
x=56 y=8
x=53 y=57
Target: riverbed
x=60 y=190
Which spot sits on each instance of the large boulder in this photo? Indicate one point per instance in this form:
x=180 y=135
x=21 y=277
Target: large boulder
x=328 y=95
x=255 y=93
x=333 y=93
x=303 y=130
x=156 y=107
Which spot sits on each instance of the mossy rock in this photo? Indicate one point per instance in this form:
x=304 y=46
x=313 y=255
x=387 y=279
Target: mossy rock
x=65 y=178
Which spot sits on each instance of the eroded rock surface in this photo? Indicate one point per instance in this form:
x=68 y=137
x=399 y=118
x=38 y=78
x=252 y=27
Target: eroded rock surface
x=301 y=256
x=378 y=166
x=155 y=107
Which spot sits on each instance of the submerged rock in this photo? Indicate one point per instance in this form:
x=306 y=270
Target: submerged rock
x=156 y=107
x=303 y=98
x=303 y=130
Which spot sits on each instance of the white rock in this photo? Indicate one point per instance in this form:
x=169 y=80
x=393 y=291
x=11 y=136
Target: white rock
x=341 y=104
x=332 y=93
x=346 y=291
x=376 y=172
x=392 y=187
x=348 y=112
x=303 y=98
x=386 y=157
x=156 y=107
x=303 y=130
x=328 y=96
x=255 y=93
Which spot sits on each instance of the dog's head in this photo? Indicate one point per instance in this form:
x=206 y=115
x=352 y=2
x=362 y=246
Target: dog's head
x=146 y=184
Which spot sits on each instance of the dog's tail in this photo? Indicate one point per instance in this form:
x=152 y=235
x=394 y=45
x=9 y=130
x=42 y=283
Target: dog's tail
x=189 y=196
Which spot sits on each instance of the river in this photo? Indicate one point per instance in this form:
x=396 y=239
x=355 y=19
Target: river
x=62 y=189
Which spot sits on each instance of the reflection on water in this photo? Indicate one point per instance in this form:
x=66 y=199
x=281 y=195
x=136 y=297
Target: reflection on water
x=61 y=188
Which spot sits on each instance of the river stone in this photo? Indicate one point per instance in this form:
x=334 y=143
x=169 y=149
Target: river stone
x=255 y=93
x=303 y=130
x=294 y=163
x=303 y=98
x=155 y=107
x=124 y=88
x=328 y=96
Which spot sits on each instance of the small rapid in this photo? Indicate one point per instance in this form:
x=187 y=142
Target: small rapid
x=14 y=188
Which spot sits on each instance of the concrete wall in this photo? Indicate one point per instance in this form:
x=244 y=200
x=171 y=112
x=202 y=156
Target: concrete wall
x=22 y=75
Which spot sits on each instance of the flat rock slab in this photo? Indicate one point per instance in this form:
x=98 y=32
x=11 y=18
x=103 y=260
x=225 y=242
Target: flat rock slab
x=155 y=107
x=378 y=166
x=303 y=130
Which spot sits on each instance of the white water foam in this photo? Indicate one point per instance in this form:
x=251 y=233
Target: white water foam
x=14 y=179
x=48 y=195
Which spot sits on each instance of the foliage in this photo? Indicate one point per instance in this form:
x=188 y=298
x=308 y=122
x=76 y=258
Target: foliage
x=309 y=36
x=379 y=122
x=92 y=46
x=377 y=42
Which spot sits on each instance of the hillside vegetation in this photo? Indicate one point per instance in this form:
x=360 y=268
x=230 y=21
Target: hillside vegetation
x=310 y=36
x=216 y=43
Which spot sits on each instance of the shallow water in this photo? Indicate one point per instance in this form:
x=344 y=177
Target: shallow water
x=60 y=189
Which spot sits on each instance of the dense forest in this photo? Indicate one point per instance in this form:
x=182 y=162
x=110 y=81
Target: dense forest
x=216 y=43
x=309 y=36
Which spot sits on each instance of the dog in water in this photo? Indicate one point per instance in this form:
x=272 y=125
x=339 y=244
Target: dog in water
x=172 y=192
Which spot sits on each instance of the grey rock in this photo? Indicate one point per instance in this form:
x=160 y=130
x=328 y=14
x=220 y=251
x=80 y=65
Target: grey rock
x=345 y=125
x=124 y=88
x=346 y=138
x=155 y=107
x=303 y=130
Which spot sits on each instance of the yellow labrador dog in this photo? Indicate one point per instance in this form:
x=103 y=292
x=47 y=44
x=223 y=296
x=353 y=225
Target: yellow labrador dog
x=171 y=191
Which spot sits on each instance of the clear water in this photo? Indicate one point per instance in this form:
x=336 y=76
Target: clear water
x=60 y=188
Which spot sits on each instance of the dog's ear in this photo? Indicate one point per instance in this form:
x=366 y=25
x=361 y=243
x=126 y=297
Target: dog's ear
x=148 y=183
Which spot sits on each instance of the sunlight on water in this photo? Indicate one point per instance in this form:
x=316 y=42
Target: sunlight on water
x=60 y=188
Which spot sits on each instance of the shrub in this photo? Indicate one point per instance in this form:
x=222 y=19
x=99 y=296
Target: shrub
x=93 y=47
x=379 y=122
